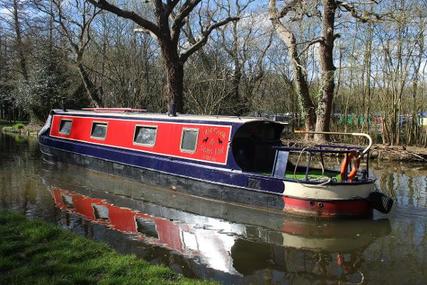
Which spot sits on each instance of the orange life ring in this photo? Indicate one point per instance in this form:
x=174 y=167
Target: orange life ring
x=354 y=159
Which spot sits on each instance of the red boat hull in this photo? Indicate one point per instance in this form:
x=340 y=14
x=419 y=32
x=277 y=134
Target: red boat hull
x=332 y=208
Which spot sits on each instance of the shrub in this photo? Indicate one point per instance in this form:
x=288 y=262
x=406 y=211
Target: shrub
x=19 y=126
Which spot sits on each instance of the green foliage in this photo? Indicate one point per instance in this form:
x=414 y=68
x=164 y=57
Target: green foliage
x=33 y=252
x=19 y=126
x=52 y=83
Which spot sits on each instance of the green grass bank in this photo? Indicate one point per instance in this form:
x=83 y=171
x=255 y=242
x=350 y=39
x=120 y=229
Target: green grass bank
x=35 y=252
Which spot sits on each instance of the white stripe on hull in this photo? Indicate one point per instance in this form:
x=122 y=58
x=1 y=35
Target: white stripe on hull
x=328 y=192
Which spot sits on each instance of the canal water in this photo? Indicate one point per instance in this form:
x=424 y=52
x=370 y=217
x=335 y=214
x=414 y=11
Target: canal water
x=231 y=244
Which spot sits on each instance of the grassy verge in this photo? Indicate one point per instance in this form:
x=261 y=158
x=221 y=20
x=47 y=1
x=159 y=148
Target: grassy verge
x=34 y=252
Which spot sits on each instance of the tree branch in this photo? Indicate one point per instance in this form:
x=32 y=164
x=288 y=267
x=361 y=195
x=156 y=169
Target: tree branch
x=146 y=24
x=178 y=22
x=288 y=8
x=364 y=18
x=205 y=35
x=64 y=28
x=312 y=42
x=171 y=4
x=285 y=34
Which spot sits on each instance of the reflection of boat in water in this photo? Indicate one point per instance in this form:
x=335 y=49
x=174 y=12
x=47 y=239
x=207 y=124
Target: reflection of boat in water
x=232 y=159
x=240 y=247
x=191 y=235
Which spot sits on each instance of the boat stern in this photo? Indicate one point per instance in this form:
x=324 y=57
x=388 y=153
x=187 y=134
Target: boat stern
x=331 y=200
x=335 y=200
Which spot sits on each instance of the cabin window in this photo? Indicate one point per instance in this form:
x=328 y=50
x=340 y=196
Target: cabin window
x=189 y=140
x=68 y=201
x=101 y=212
x=146 y=227
x=145 y=135
x=65 y=127
x=99 y=131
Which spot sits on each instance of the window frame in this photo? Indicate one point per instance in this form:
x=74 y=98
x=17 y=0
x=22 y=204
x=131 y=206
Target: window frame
x=106 y=130
x=182 y=137
x=145 y=126
x=65 y=120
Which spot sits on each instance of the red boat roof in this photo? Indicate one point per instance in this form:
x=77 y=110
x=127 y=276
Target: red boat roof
x=141 y=114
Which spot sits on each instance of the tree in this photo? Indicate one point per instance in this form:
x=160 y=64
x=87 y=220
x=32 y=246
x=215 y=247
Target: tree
x=170 y=18
x=325 y=42
x=300 y=80
x=51 y=84
x=15 y=21
x=326 y=58
x=246 y=43
x=75 y=19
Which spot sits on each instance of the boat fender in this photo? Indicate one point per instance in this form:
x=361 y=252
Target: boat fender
x=380 y=202
x=354 y=159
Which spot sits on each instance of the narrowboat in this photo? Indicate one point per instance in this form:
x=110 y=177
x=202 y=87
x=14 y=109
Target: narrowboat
x=233 y=159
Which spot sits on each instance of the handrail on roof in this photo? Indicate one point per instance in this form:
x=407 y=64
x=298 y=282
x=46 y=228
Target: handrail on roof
x=115 y=110
x=365 y=150
x=320 y=149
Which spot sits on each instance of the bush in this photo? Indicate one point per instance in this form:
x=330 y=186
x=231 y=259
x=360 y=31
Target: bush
x=19 y=126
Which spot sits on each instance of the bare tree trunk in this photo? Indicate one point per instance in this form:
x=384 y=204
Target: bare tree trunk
x=327 y=69
x=398 y=86
x=237 y=77
x=300 y=81
x=237 y=72
x=301 y=88
x=21 y=56
x=386 y=138
x=19 y=43
x=175 y=86
x=90 y=88
x=416 y=79
x=367 y=83
x=351 y=80
x=340 y=60
x=104 y=54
